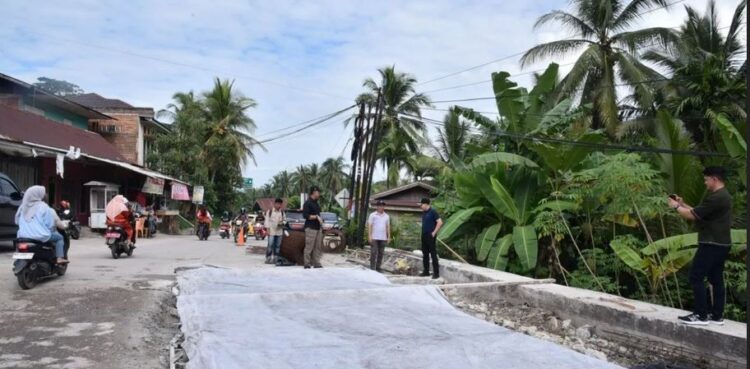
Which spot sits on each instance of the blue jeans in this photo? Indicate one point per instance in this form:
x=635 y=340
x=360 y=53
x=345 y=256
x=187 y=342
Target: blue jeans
x=59 y=242
x=274 y=246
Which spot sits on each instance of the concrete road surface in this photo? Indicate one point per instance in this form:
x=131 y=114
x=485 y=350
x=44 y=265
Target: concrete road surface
x=106 y=313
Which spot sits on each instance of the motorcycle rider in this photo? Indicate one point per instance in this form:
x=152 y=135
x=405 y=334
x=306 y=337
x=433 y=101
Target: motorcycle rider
x=203 y=216
x=37 y=221
x=119 y=214
x=225 y=217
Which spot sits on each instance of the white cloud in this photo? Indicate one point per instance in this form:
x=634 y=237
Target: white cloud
x=315 y=53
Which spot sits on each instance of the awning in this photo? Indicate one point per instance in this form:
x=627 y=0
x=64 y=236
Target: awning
x=137 y=169
x=41 y=148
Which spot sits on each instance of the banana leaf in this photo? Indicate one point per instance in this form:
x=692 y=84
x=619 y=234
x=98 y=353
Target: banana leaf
x=628 y=256
x=506 y=158
x=502 y=200
x=498 y=256
x=525 y=245
x=739 y=242
x=486 y=240
x=456 y=221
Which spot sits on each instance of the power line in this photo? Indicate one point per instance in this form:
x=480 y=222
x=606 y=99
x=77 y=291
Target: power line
x=305 y=122
x=577 y=89
x=298 y=130
x=198 y=67
x=580 y=143
x=519 y=53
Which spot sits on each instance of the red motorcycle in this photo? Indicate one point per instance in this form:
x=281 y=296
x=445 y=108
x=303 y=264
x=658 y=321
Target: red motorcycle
x=225 y=230
x=260 y=231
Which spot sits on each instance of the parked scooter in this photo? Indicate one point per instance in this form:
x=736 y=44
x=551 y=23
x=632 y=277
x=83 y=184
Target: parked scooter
x=117 y=239
x=35 y=260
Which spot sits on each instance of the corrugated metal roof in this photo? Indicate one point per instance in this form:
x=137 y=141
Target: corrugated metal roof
x=24 y=126
x=96 y=101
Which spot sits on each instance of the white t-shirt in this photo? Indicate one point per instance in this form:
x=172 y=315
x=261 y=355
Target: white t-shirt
x=379 y=223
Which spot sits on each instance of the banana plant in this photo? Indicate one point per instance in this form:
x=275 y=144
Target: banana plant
x=733 y=143
x=664 y=257
x=497 y=196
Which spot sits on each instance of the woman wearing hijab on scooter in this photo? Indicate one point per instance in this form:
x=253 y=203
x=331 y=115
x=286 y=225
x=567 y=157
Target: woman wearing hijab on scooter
x=36 y=221
x=118 y=214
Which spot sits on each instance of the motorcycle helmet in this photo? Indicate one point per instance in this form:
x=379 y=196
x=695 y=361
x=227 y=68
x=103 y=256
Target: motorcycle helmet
x=243 y=210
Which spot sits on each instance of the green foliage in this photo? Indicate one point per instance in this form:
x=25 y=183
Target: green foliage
x=58 y=87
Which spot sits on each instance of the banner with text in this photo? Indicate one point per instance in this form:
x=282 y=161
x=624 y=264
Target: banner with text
x=180 y=192
x=198 y=194
x=153 y=186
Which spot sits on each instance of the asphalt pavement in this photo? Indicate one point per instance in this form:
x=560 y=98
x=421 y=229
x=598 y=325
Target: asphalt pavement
x=106 y=313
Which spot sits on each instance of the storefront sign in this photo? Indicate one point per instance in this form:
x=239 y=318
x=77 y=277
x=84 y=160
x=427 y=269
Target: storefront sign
x=180 y=192
x=153 y=186
x=198 y=194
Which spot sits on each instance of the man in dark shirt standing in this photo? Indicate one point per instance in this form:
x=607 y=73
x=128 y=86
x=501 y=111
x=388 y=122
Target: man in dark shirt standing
x=313 y=229
x=713 y=218
x=431 y=224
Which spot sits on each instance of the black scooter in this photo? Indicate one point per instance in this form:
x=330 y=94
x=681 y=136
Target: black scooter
x=117 y=239
x=34 y=261
x=74 y=226
x=204 y=230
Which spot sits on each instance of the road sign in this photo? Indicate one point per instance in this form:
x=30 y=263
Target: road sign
x=247 y=182
x=342 y=197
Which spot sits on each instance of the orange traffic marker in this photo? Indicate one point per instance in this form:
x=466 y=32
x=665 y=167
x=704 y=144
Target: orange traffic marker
x=241 y=237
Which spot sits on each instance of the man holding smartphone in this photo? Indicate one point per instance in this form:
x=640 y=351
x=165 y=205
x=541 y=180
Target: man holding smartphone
x=313 y=229
x=713 y=218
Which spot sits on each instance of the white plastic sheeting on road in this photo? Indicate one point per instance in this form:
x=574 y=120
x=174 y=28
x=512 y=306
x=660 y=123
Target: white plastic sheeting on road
x=344 y=318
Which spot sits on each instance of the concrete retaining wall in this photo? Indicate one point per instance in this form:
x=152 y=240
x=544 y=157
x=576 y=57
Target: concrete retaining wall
x=631 y=323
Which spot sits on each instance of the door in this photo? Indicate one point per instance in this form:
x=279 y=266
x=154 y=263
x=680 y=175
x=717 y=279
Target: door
x=10 y=200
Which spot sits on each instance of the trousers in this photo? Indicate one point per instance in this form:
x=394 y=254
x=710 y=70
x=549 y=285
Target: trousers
x=376 y=254
x=429 y=252
x=708 y=263
x=313 y=246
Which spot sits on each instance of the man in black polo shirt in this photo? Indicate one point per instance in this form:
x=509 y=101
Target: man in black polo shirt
x=713 y=218
x=313 y=229
x=431 y=224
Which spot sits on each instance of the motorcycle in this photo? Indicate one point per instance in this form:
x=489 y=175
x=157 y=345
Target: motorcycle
x=204 y=230
x=260 y=232
x=240 y=224
x=74 y=226
x=35 y=260
x=118 y=241
x=224 y=229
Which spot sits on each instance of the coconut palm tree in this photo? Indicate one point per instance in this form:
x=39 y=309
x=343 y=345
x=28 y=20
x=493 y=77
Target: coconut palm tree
x=452 y=138
x=403 y=130
x=301 y=179
x=281 y=184
x=602 y=31
x=708 y=72
x=333 y=174
x=228 y=139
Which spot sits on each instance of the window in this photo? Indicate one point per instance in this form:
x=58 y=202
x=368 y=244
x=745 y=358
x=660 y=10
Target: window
x=98 y=202
x=7 y=188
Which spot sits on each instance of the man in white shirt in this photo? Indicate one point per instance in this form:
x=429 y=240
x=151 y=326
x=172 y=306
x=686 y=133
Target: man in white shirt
x=274 y=223
x=379 y=234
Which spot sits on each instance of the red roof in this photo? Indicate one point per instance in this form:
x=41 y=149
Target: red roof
x=266 y=204
x=28 y=127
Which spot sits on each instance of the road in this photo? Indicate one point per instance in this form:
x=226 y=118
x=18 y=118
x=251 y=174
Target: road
x=106 y=313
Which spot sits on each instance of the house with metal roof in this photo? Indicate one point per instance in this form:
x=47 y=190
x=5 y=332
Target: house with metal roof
x=43 y=140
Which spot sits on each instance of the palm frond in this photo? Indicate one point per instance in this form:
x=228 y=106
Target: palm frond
x=557 y=49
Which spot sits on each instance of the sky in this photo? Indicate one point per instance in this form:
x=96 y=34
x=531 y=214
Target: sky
x=297 y=59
